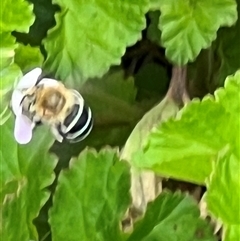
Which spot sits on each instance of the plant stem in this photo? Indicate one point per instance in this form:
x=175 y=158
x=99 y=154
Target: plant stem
x=177 y=88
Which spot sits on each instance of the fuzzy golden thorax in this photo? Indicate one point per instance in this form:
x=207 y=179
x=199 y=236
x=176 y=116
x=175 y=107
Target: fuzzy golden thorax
x=50 y=104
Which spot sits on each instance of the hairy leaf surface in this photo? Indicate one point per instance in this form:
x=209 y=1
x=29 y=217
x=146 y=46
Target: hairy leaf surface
x=223 y=198
x=189 y=26
x=112 y=99
x=96 y=191
x=27 y=57
x=231 y=232
x=26 y=170
x=8 y=71
x=166 y=109
x=91 y=36
x=185 y=147
x=172 y=217
x=16 y=15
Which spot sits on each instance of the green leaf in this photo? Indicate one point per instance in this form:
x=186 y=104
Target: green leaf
x=115 y=92
x=104 y=30
x=27 y=57
x=151 y=80
x=4 y=113
x=231 y=232
x=116 y=85
x=229 y=99
x=185 y=147
x=153 y=33
x=223 y=199
x=172 y=217
x=7 y=47
x=44 y=12
x=228 y=49
x=96 y=187
x=9 y=73
x=26 y=171
x=8 y=77
x=154 y=5
x=16 y=15
x=166 y=109
x=189 y=26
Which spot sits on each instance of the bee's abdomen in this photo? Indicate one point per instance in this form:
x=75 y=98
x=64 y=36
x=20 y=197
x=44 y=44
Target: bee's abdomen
x=78 y=123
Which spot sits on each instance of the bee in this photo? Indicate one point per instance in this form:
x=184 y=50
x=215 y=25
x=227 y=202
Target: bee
x=47 y=101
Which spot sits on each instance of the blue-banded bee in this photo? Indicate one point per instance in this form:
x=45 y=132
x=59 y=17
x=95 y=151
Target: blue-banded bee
x=49 y=102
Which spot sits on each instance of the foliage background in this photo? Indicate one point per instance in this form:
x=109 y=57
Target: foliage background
x=135 y=63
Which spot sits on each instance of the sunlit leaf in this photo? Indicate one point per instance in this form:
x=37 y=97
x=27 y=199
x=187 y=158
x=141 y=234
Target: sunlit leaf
x=172 y=217
x=4 y=113
x=16 y=15
x=223 y=198
x=189 y=26
x=26 y=171
x=27 y=57
x=166 y=109
x=91 y=36
x=9 y=73
x=8 y=77
x=96 y=187
x=154 y=5
x=231 y=232
x=7 y=47
x=185 y=147
x=44 y=11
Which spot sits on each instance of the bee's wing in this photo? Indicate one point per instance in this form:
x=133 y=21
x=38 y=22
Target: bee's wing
x=29 y=79
x=23 y=129
x=16 y=100
x=23 y=126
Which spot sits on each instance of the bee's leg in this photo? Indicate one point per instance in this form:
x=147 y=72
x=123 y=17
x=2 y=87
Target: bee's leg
x=33 y=125
x=56 y=134
x=63 y=129
x=35 y=118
